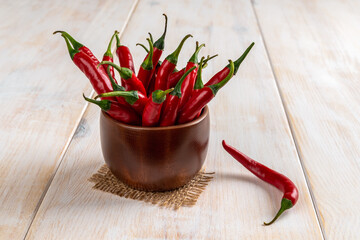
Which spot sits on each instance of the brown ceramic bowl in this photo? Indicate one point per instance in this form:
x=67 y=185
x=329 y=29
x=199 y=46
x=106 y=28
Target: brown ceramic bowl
x=155 y=158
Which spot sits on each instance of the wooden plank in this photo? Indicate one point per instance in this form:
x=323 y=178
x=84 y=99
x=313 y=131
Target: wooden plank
x=40 y=96
x=248 y=114
x=315 y=52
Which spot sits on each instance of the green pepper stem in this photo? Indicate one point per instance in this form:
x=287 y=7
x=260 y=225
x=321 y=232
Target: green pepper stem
x=194 y=57
x=108 y=51
x=177 y=89
x=151 y=37
x=215 y=88
x=142 y=45
x=199 y=83
x=241 y=58
x=208 y=59
x=115 y=86
x=118 y=44
x=148 y=63
x=125 y=73
x=71 y=50
x=103 y=104
x=160 y=43
x=173 y=57
x=75 y=43
x=159 y=96
x=130 y=96
x=285 y=204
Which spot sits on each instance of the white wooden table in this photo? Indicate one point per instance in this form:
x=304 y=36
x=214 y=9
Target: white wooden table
x=294 y=105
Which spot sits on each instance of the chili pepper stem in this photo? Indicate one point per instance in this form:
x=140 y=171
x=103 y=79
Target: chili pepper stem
x=148 y=63
x=194 y=57
x=199 y=83
x=116 y=87
x=173 y=57
x=75 y=43
x=130 y=96
x=160 y=43
x=103 y=104
x=71 y=50
x=124 y=72
x=142 y=45
x=108 y=51
x=215 y=88
x=285 y=204
x=238 y=61
x=159 y=96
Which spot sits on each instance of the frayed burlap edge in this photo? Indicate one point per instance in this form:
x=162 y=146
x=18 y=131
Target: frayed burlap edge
x=185 y=196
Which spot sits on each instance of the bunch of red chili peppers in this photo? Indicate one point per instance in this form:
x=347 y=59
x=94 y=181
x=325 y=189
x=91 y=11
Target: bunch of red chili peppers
x=159 y=94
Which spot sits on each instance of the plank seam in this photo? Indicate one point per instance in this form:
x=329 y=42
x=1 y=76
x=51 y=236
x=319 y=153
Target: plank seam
x=292 y=132
x=72 y=134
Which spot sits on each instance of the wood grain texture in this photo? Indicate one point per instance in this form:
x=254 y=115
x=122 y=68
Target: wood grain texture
x=248 y=113
x=40 y=94
x=315 y=52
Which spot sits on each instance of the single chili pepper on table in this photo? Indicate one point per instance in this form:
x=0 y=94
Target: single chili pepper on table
x=131 y=82
x=146 y=67
x=189 y=82
x=218 y=77
x=125 y=57
x=108 y=56
x=79 y=46
x=97 y=76
x=201 y=97
x=152 y=110
x=168 y=66
x=281 y=182
x=171 y=106
x=117 y=111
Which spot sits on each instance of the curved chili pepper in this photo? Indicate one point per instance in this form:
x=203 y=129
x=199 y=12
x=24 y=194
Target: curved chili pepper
x=218 y=77
x=175 y=76
x=152 y=110
x=135 y=99
x=189 y=82
x=146 y=67
x=125 y=57
x=108 y=56
x=172 y=103
x=281 y=182
x=97 y=76
x=117 y=111
x=79 y=46
x=201 y=97
x=130 y=80
x=168 y=66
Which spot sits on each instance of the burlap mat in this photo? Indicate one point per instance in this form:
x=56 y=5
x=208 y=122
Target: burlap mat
x=185 y=196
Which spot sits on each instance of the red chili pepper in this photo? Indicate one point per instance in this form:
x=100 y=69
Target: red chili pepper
x=135 y=99
x=130 y=80
x=108 y=56
x=151 y=86
x=168 y=66
x=152 y=110
x=125 y=57
x=281 y=182
x=146 y=67
x=189 y=82
x=79 y=46
x=199 y=83
x=117 y=111
x=218 y=77
x=172 y=103
x=97 y=76
x=201 y=97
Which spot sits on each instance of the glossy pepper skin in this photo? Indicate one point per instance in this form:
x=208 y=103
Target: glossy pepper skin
x=125 y=57
x=152 y=110
x=151 y=86
x=189 y=82
x=117 y=111
x=108 y=56
x=144 y=74
x=79 y=46
x=218 y=77
x=202 y=97
x=172 y=103
x=281 y=182
x=97 y=76
x=168 y=66
x=130 y=80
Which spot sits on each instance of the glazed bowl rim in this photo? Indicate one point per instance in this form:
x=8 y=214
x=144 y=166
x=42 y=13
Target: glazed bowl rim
x=203 y=115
